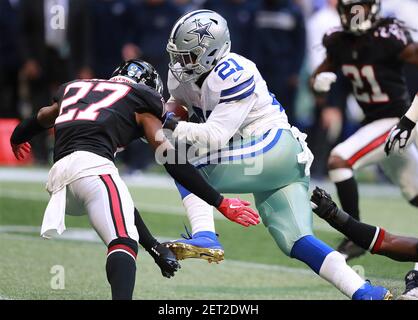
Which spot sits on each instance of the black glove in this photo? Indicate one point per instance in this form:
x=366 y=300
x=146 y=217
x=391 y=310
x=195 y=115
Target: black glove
x=165 y=259
x=325 y=207
x=171 y=121
x=399 y=135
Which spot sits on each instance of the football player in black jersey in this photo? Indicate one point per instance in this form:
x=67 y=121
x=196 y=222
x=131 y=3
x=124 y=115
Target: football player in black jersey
x=92 y=119
x=371 y=238
x=371 y=52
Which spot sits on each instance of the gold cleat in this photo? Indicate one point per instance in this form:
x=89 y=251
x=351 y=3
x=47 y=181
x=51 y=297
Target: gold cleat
x=388 y=296
x=186 y=251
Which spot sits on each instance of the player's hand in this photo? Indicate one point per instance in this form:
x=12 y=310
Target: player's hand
x=238 y=211
x=165 y=259
x=399 y=135
x=322 y=204
x=323 y=81
x=21 y=150
x=171 y=121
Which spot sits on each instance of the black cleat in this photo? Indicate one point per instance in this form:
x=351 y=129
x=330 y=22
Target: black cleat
x=350 y=250
x=411 y=286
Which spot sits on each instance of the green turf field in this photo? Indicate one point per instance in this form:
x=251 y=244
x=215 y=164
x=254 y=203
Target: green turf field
x=254 y=268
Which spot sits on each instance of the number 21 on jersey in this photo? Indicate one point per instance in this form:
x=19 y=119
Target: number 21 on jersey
x=228 y=67
x=357 y=75
x=116 y=92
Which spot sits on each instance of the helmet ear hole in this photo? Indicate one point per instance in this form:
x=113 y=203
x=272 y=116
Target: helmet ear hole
x=212 y=53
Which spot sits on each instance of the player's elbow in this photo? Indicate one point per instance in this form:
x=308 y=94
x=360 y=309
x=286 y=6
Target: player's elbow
x=47 y=115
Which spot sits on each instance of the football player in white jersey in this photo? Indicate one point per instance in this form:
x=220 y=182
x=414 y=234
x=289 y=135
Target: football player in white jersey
x=251 y=148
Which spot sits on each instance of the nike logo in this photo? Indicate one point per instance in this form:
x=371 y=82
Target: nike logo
x=234 y=207
x=237 y=78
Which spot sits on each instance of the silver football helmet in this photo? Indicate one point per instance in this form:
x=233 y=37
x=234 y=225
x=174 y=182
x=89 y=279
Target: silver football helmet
x=198 y=40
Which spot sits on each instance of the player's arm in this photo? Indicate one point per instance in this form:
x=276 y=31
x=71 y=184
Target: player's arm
x=400 y=134
x=224 y=121
x=188 y=176
x=324 y=76
x=372 y=238
x=236 y=99
x=30 y=127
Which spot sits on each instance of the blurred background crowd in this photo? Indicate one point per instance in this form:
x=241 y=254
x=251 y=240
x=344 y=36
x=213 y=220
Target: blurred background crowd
x=283 y=37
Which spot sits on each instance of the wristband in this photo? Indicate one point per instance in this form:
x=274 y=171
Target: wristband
x=405 y=122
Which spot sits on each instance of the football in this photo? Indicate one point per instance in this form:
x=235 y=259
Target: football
x=178 y=109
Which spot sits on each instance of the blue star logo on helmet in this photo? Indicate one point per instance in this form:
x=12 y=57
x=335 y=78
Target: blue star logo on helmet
x=202 y=30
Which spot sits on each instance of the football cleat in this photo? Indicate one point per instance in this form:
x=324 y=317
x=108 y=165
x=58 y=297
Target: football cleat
x=411 y=290
x=201 y=245
x=370 y=292
x=350 y=250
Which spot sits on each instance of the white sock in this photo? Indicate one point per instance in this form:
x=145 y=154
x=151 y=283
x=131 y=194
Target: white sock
x=341 y=174
x=335 y=270
x=200 y=214
x=416 y=266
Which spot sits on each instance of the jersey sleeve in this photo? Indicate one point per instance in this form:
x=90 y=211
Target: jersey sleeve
x=59 y=94
x=331 y=41
x=232 y=80
x=148 y=100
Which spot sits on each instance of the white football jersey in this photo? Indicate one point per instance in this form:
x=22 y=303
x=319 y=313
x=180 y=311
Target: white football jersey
x=236 y=86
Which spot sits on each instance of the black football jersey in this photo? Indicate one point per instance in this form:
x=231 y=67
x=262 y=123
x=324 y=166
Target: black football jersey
x=371 y=62
x=99 y=115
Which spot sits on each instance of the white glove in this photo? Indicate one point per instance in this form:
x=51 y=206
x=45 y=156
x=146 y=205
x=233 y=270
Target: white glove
x=323 y=81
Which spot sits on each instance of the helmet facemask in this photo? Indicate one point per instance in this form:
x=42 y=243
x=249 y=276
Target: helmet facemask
x=185 y=65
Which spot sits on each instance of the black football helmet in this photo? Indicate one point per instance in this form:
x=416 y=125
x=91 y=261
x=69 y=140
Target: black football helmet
x=141 y=72
x=358 y=16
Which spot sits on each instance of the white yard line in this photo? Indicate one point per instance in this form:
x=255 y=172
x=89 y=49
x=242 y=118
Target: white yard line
x=43 y=196
x=147 y=207
x=88 y=235
x=152 y=180
x=148 y=180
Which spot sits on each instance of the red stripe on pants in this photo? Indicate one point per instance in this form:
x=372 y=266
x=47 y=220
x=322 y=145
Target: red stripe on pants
x=115 y=206
x=121 y=247
x=368 y=148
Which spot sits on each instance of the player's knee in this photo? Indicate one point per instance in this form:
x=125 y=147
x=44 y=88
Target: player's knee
x=414 y=201
x=125 y=245
x=339 y=169
x=336 y=162
x=284 y=243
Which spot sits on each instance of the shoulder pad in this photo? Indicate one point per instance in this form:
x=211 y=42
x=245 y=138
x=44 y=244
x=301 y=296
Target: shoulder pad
x=59 y=94
x=394 y=31
x=331 y=36
x=153 y=101
x=232 y=79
